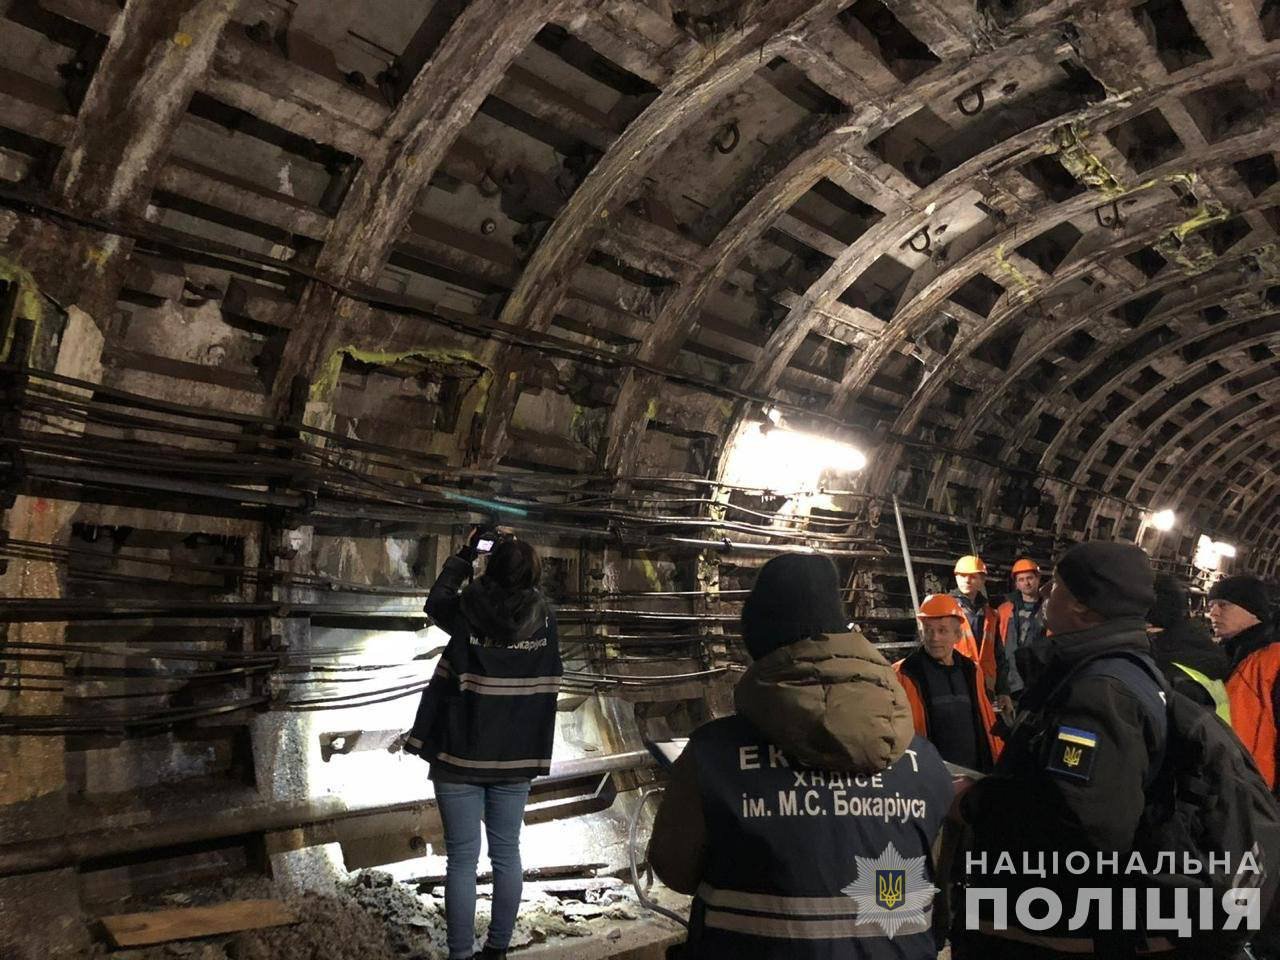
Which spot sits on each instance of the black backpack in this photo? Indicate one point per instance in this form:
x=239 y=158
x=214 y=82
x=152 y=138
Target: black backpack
x=1205 y=797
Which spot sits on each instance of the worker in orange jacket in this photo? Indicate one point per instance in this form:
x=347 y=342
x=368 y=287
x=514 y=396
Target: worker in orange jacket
x=945 y=689
x=1019 y=626
x=1241 y=614
x=983 y=644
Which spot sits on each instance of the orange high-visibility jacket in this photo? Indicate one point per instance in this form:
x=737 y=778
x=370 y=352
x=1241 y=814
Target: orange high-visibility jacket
x=1249 y=688
x=1004 y=613
x=982 y=652
x=920 y=716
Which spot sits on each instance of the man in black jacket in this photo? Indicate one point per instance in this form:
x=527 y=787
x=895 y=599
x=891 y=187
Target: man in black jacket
x=1073 y=773
x=1184 y=650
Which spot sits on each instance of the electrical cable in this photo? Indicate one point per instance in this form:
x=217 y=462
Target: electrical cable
x=633 y=860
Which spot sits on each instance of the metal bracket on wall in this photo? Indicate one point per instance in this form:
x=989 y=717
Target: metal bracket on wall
x=727 y=138
x=971 y=101
x=1115 y=221
x=920 y=241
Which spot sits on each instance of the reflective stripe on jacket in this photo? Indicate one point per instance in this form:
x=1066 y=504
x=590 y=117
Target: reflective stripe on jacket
x=489 y=712
x=1217 y=689
x=803 y=863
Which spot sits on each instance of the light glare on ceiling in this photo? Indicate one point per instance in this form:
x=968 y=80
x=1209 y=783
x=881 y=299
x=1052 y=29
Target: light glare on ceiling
x=1164 y=520
x=787 y=460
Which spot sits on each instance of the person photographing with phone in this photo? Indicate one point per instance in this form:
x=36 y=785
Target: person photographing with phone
x=486 y=722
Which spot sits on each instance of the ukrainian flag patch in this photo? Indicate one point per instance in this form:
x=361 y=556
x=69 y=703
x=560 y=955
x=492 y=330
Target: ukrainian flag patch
x=1073 y=753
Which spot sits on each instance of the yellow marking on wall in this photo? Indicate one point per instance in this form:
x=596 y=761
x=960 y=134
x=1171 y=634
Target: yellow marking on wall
x=30 y=304
x=1082 y=163
x=327 y=380
x=1024 y=283
x=1193 y=254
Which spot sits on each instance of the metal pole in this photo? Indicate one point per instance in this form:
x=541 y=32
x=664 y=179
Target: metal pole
x=906 y=556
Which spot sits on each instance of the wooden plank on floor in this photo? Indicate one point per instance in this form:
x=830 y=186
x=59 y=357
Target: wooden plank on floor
x=160 y=926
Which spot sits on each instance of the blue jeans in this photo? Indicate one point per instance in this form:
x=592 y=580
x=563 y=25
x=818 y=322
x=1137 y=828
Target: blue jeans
x=462 y=807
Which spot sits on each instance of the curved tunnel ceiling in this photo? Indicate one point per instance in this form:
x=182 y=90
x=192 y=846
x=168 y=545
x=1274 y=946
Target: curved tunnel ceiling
x=1007 y=244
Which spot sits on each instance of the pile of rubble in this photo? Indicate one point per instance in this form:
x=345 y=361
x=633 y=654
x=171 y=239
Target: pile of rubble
x=560 y=908
x=373 y=916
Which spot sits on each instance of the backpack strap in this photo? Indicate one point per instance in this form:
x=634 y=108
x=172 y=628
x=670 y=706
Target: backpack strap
x=1138 y=674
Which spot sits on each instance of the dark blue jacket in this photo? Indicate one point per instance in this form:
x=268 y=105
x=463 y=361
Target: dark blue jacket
x=489 y=713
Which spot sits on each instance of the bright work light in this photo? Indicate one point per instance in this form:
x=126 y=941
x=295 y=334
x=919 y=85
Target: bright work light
x=787 y=460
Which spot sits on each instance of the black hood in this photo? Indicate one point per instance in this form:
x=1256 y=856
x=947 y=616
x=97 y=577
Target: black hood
x=1189 y=643
x=1124 y=633
x=1170 y=607
x=502 y=616
x=1058 y=654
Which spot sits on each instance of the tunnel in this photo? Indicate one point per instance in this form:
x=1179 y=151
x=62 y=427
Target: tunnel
x=296 y=294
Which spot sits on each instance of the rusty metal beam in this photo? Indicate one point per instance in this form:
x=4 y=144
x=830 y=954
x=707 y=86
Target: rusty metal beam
x=1158 y=457
x=1049 y=333
x=1249 y=454
x=1263 y=517
x=1198 y=455
x=1015 y=306
x=825 y=158
x=1232 y=290
x=845 y=271
x=694 y=87
x=155 y=59
x=795 y=326
x=1042 y=345
x=1233 y=504
x=158 y=53
x=1080 y=409
x=470 y=62
x=1228 y=29
x=797 y=167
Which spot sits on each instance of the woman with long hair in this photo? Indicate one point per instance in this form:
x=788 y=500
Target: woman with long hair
x=486 y=724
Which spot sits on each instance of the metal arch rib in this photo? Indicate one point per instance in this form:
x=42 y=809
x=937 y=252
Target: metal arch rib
x=694 y=87
x=1096 y=447
x=471 y=61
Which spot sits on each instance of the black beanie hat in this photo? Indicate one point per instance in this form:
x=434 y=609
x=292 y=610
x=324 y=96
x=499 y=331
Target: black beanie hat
x=1113 y=579
x=795 y=596
x=1244 y=591
x=1171 y=606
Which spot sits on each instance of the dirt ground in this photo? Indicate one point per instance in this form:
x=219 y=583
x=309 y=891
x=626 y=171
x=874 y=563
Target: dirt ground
x=375 y=917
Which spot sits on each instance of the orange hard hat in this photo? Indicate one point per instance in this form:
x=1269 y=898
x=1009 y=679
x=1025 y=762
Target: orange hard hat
x=940 y=605
x=1025 y=565
x=970 y=564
